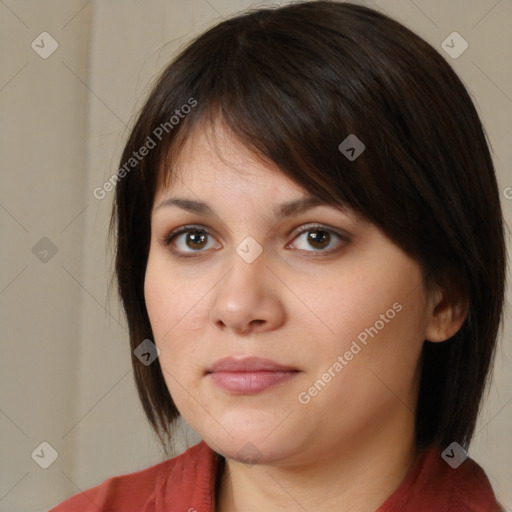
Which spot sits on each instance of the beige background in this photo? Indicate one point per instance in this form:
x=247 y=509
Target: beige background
x=65 y=368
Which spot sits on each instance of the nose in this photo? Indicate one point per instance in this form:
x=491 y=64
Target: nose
x=248 y=299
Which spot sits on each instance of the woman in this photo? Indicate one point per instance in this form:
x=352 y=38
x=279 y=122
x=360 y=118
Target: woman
x=311 y=258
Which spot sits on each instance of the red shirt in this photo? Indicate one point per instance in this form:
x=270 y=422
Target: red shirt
x=186 y=483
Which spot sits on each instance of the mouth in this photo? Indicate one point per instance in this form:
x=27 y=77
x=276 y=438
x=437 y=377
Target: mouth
x=249 y=375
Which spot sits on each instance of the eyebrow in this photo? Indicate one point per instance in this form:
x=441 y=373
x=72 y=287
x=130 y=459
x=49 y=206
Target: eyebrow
x=287 y=209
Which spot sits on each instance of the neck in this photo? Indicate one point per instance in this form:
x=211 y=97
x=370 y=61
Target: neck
x=357 y=476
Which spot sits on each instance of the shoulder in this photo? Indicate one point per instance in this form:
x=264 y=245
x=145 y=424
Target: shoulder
x=469 y=486
x=433 y=485
x=150 y=489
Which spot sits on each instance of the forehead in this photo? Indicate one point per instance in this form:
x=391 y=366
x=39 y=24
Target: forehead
x=213 y=166
x=212 y=155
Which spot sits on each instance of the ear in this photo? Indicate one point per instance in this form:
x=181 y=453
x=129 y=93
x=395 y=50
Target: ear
x=447 y=311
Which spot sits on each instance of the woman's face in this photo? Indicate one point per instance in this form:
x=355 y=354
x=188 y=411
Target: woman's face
x=318 y=291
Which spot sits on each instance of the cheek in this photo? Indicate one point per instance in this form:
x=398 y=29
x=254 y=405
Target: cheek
x=375 y=321
x=159 y=304
x=176 y=315
x=166 y=305
x=378 y=367
x=342 y=308
x=168 y=298
x=384 y=372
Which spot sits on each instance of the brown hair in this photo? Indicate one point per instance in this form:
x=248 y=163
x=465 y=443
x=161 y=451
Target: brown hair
x=292 y=83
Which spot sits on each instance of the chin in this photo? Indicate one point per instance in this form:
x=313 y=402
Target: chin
x=250 y=446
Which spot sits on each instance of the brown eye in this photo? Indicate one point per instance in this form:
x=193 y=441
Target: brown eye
x=188 y=240
x=317 y=239
x=195 y=239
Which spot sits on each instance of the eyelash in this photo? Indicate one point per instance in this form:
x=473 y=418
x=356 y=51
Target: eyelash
x=168 y=239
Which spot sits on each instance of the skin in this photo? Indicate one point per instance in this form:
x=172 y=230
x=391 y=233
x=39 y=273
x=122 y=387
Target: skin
x=351 y=445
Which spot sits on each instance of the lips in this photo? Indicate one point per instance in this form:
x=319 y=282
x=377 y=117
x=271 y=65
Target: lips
x=247 y=364
x=249 y=375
